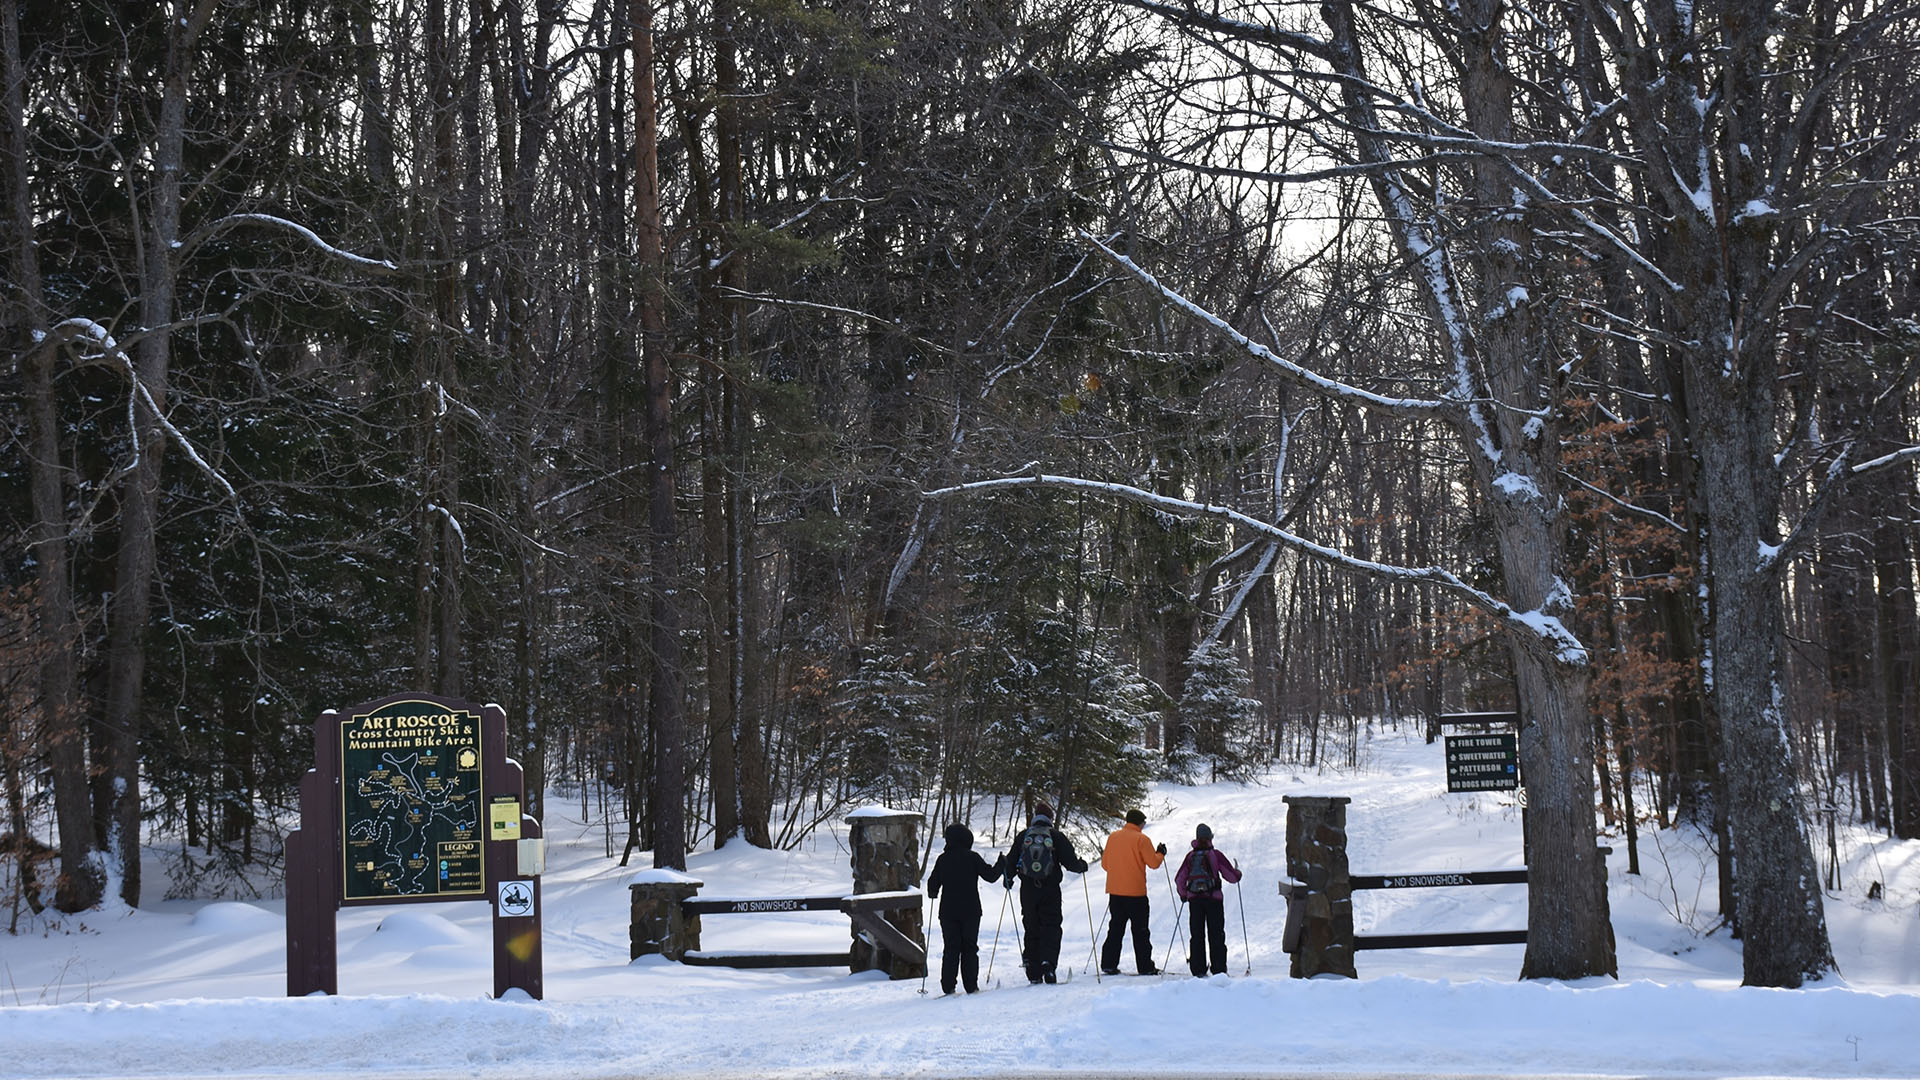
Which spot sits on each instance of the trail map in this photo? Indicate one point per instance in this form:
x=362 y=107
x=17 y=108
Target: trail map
x=411 y=820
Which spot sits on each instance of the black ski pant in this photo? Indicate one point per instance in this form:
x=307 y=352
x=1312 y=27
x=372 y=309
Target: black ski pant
x=1040 y=914
x=960 y=952
x=1207 y=926
x=1120 y=911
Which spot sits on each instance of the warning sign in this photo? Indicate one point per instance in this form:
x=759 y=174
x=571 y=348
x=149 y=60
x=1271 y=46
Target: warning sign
x=516 y=899
x=503 y=814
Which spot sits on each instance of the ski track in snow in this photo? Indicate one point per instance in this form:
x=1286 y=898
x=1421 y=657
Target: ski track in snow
x=193 y=988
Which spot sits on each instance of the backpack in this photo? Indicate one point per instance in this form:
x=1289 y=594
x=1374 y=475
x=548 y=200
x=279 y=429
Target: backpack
x=1035 y=862
x=1198 y=875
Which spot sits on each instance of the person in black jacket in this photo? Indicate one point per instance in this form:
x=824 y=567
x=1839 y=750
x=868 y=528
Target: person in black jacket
x=1038 y=855
x=957 y=873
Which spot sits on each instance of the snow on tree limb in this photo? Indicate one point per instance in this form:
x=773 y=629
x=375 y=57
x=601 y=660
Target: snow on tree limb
x=311 y=237
x=1298 y=374
x=81 y=329
x=1838 y=473
x=835 y=309
x=924 y=522
x=1633 y=508
x=1261 y=568
x=1909 y=453
x=1536 y=627
x=1190 y=15
x=584 y=485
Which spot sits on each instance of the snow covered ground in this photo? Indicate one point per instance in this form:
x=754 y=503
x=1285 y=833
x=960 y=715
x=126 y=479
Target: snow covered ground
x=193 y=988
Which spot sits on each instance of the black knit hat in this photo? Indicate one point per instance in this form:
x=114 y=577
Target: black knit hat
x=959 y=835
x=1201 y=832
x=1135 y=817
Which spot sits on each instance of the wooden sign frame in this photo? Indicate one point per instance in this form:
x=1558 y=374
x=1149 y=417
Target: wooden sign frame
x=316 y=855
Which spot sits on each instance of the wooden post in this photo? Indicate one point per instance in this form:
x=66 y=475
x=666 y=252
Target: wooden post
x=656 y=923
x=1322 y=929
x=312 y=861
x=886 y=858
x=518 y=961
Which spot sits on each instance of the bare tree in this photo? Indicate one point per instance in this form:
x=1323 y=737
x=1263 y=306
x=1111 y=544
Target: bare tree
x=80 y=884
x=1472 y=267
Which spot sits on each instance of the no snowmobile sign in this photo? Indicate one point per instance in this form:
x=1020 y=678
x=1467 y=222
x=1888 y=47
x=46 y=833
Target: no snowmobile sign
x=1483 y=762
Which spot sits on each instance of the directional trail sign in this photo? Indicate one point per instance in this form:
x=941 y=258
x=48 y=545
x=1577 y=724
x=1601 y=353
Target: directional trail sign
x=1483 y=762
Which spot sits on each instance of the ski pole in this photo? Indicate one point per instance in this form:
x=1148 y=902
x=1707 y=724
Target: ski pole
x=1171 y=942
x=926 y=961
x=1092 y=938
x=1096 y=938
x=1244 y=944
x=1006 y=895
x=1172 y=894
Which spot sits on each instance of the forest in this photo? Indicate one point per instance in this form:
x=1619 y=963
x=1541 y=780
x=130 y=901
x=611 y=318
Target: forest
x=781 y=406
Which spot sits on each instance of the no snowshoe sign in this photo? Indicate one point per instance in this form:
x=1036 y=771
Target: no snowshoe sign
x=1483 y=762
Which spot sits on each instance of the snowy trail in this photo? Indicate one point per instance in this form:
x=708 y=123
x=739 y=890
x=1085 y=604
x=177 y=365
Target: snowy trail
x=192 y=989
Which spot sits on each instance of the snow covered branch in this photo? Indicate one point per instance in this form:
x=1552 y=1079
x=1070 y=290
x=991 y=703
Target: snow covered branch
x=925 y=521
x=1269 y=553
x=1839 y=471
x=80 y=329
x=376 y=265
x=835 y=309
x=1536 y=627
x=1302 y=376
x=1909 y=453
x=1190 y=16
x=1632 y=508
x=580 y=487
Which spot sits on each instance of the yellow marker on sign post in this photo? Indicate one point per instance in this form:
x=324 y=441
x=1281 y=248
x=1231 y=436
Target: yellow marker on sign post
x=504 y=814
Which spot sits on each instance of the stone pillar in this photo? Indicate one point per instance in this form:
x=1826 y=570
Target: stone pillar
x=886 y=858
x=656 y=924
x=1317 y=859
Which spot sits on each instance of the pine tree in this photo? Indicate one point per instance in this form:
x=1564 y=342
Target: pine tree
x=1225 y=723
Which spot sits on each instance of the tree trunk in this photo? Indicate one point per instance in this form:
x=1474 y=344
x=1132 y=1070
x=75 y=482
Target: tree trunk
x=721 y=596
x=750 y=750
x=131 y=606
x=1898 y=631
x=80 y=884
x=1777 y=886
x=1568 y=932
x=666 y=704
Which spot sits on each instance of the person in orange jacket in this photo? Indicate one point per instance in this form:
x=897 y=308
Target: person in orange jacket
x=1129 y=854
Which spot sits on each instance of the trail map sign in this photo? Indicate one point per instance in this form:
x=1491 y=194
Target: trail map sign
x=1483 y=762
x=412 y=799
x=410 y=803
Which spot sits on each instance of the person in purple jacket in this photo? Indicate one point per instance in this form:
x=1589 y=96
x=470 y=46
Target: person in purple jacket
x=1199 y=879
